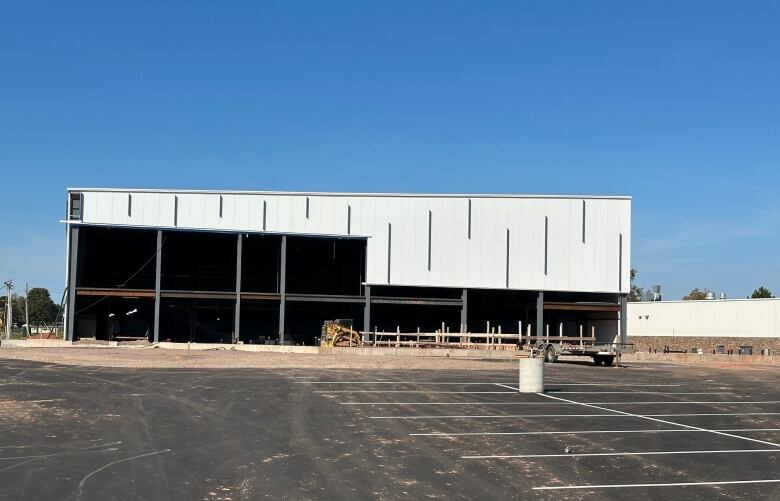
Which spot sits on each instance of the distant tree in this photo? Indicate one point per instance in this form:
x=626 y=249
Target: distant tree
x=761 y=293
x=17 y=303
x=42 y=308
x=697 y=295
x=637 y=293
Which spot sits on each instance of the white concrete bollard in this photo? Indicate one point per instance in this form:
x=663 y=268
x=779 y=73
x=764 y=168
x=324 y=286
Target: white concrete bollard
x=531 y=375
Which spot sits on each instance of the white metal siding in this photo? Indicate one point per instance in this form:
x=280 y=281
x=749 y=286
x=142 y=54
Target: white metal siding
x=710 y=318
x=456 y=260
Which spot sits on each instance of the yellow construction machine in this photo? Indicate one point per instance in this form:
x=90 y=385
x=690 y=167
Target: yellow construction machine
x=339 y=332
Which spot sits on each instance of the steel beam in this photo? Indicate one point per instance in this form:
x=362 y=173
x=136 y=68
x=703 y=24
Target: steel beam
x=416 y=300
x=237 y=320
x=282 y=287
x=157 y=275
x=73 y=271
x=324 y=298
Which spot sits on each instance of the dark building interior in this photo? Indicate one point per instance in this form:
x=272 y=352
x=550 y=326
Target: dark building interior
x=316 y=278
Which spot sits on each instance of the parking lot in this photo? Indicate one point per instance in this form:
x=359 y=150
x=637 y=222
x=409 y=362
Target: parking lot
x=649 y=431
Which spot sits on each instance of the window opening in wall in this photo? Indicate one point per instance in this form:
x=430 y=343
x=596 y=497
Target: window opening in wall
x=76 y=205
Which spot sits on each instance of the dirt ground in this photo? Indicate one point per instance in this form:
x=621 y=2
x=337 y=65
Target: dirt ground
x=219 y=359
x=225 y=359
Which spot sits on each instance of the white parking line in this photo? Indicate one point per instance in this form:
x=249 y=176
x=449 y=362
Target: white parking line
x=583 y=432
x=644 y=392
x=656 y=402
x=676 y=484
x=485 y=383
x=662 y=421
x=652 y=453
x=626 y=392
x=521 y=416
x=327 y=392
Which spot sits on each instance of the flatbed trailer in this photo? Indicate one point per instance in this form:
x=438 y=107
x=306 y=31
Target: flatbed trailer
x=602 y=353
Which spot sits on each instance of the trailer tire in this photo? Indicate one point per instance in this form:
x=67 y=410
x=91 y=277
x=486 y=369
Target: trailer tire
x=596 y=360
x=549 y=355
x=607 y=360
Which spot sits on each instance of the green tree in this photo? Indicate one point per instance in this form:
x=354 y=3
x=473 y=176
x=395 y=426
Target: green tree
x=637 y=293
x=17 y=303
x=42 y=308
x=697 y=295
x=761 y=293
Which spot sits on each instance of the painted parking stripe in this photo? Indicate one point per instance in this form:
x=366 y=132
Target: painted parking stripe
x=582 y=432
x=593 y=454
x=327 y=392
x=590 y=406
x=521 y=416
x=676 y=484
x=572 y=402
x=484 y=383
x=644 y=392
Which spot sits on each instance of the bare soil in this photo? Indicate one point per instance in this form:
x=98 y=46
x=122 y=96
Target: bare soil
x=218 y=359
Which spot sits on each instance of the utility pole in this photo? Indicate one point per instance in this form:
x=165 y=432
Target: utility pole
x=27 y=309
x=9 y=315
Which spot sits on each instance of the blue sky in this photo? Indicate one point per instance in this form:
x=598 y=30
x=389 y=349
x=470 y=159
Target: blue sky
x=673 y=103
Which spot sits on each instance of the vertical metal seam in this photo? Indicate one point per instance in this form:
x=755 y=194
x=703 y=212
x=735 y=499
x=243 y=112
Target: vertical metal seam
x=546 y=242
x=307 y=207
x=583 y=221
x=469 y=223
x=220 y=206
x=430 y=233
x=265 y=208
x=129 y=205
x=620 y=263
x=349 y=219
x=389 y=248
x=507 y=258
x=175 y=210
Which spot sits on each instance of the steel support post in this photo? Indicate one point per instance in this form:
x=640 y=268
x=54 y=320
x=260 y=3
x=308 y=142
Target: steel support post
x=73 y=271
x=367 y=314
x=237 y=320
x=539 y=316
x=623 y=319
x=464 y=308
x=282 y=287
x=157 y=275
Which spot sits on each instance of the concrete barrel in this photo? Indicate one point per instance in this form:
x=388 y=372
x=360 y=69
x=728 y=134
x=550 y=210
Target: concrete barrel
x=531 y=375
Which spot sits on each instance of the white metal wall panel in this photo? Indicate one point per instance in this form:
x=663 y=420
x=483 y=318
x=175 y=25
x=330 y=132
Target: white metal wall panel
x=456 y=259
x=709 y=318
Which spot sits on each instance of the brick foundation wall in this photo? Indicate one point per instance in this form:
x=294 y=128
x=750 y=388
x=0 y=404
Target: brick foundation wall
x=708 y=344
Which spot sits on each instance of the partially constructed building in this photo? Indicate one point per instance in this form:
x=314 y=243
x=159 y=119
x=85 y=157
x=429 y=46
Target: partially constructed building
x=270 y=268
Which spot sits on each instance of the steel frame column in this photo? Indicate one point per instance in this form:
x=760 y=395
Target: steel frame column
x=623 y=318
x=237 y=320
x=157 y=275
x=72 y=272
x=367 y=314
x=282 y=287
x=539 y=334
x=464 y=317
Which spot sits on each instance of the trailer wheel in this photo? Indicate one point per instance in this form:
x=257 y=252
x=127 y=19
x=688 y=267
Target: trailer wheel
x=549 y=355
x=597 y=360
x=607 y=360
